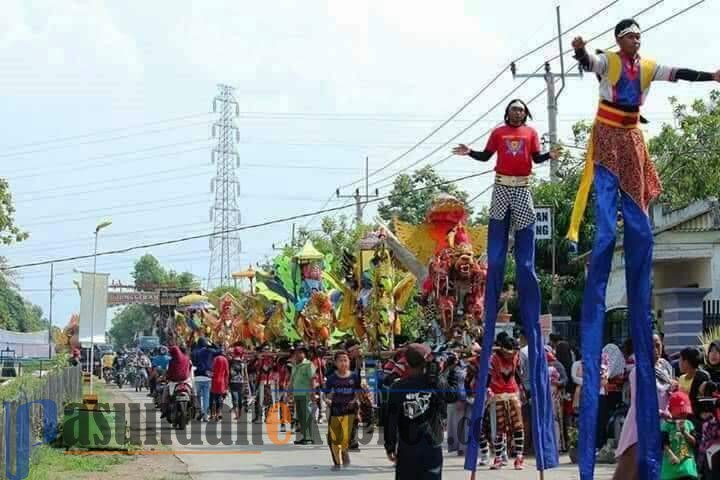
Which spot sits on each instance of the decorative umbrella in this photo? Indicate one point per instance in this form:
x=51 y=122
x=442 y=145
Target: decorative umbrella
x=191 y=299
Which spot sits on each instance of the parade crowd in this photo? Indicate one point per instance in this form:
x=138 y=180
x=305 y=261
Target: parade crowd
x=333 y=387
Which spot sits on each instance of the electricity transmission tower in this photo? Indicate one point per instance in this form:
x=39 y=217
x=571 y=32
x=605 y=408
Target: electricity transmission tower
x=225 y=244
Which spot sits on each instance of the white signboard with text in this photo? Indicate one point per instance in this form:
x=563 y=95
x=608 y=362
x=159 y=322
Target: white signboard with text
x=543 y=223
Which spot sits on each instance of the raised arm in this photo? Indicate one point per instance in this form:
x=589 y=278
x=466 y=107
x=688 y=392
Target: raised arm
x=589 y=62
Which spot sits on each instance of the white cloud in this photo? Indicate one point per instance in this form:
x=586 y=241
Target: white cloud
x=54 y=48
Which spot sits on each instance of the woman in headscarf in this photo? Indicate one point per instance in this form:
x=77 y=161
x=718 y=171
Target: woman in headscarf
x=219 y=386
x=713 y=362
x=626 y=453
x=179 y=371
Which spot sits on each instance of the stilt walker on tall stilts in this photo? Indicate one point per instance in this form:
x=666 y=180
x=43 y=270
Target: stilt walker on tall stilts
x=619 y=166
x=511 y=209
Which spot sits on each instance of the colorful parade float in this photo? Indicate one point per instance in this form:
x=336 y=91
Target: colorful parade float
x=249 y=318
x=375 y=290
x=446 y=255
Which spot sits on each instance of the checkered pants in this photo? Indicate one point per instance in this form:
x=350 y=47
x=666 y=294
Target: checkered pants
x=518 y=201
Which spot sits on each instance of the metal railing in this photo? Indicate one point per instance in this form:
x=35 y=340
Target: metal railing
x=711 y=314
x=59 y=387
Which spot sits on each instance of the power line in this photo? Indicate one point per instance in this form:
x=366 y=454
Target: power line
x=75 y=164
x=457 y=112
x=238 y=229
x=96 y=141
x=645 y=10
x=483 y=192
x=461 y=132
x=20 y=248
x=570 y=29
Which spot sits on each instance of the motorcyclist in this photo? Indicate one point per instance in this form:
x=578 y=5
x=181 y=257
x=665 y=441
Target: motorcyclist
x=179 y=371
x=159 y=364
x=108 y=360
x=142 y=364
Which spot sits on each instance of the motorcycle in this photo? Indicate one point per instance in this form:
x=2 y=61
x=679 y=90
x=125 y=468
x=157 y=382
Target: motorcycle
x=141 y=379
x=120 y=377
x=131 y=375
x=182 y=409
x=160 y=386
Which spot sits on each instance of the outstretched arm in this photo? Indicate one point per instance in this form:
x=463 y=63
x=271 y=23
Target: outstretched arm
x=664 y=73
x=483 y=156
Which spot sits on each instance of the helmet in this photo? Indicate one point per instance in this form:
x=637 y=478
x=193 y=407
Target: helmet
x=679 y=404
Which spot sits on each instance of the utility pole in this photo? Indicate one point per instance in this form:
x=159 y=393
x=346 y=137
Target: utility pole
x=225 y=243
x=50 y=337
x=360 y=199
x=552 y=105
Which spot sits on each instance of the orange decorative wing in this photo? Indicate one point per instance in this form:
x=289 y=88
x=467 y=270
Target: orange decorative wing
x=416 y=238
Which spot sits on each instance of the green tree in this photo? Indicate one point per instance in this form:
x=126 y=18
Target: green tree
x=220 y=291
x=129 y=322
x=140 y=319
x=688 y=155
x=412 y=195
x=149 y=273
x=9 y=231
x=16 y=313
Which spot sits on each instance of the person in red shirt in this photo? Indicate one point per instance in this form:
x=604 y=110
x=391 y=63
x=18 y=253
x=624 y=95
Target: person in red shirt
x=517 y=147
x=505 y=400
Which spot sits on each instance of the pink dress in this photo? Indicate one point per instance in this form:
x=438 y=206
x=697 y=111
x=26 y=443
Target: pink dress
x=629 y=435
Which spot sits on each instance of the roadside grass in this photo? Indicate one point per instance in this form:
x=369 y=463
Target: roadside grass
x=50 y=463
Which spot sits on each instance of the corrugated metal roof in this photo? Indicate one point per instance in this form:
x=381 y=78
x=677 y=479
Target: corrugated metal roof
x=707 y=222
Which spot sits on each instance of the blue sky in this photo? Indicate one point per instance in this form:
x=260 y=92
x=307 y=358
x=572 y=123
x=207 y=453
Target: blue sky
x=127 y=89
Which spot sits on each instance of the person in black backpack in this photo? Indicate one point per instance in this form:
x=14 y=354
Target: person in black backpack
x=414 y=431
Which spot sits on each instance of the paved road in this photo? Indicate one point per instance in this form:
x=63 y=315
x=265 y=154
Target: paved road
x=253 y=461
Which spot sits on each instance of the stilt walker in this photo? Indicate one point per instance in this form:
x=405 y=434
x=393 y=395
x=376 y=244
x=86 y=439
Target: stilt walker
x=517 y=147
x=619 y=166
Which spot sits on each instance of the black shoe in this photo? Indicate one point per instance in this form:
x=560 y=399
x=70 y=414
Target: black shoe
x=354 y=448
x=308 y=442
x=299 y=442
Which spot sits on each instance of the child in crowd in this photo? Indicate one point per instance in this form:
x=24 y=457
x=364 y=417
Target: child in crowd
x=341 y=390
x=679 y=440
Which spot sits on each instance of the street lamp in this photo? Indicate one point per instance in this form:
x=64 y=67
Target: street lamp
x=99 y=227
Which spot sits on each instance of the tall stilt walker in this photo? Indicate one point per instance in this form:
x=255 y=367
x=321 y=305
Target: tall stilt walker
x=619 y=166
x=517 y=147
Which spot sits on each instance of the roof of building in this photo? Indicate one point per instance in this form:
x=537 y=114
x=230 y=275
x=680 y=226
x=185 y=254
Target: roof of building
x=700 y=216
